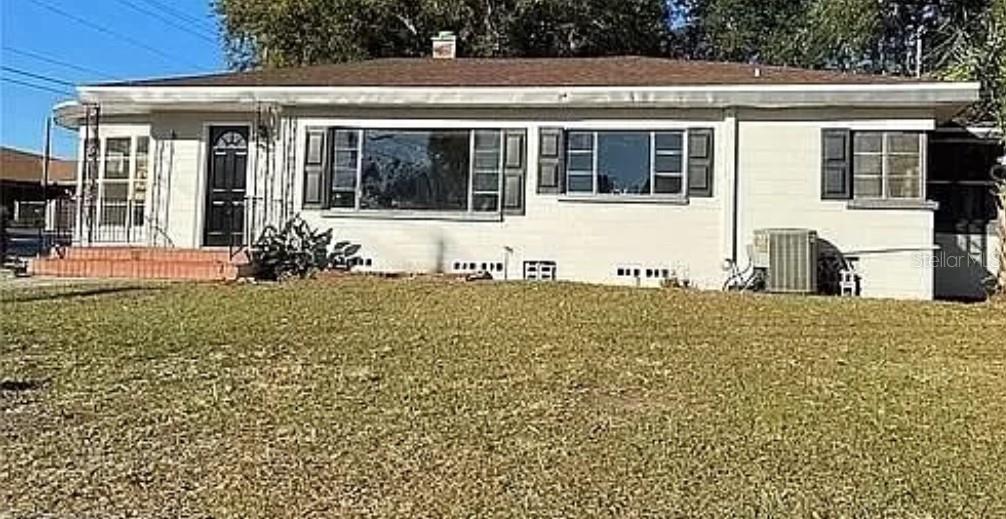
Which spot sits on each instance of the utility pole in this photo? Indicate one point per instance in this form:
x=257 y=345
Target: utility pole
x=45 y=164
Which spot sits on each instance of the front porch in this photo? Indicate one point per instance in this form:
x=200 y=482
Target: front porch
x=143 y=263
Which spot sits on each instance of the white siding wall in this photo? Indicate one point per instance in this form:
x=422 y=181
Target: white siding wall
x=779 y=170
x=180 y=149
x=588 y=241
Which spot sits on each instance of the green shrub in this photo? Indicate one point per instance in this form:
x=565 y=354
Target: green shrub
x=298 y=251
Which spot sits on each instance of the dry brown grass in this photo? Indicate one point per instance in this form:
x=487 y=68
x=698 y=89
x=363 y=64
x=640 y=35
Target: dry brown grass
x=371 y=397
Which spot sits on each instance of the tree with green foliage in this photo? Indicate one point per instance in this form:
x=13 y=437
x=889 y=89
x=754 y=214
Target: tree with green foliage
x=271 y=33
x=858 y=35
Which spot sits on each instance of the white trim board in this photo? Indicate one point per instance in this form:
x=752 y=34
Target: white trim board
x=710 y=96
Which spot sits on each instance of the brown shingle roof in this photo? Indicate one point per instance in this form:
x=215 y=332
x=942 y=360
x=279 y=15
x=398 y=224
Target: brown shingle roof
x=23 y=166
x=523 y=72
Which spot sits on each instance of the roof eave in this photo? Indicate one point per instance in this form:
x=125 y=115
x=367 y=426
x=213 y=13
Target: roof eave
x=940 y=94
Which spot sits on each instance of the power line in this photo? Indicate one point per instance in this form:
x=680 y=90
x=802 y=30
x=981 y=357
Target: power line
x=166 y=20
x=58 y=63
x=36 y=87
x=110 y=32
x=181 y=15
x=37 y=76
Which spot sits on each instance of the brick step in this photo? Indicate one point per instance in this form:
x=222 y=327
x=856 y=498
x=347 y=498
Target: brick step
x=136 y=269
x=152 y=254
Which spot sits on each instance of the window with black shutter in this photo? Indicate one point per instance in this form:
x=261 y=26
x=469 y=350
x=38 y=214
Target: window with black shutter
x=551 y=167
x=836 y=167
x=700 y=163
x=315 y=164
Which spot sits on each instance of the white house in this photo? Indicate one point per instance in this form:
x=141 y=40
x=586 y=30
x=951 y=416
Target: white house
x=621 y=170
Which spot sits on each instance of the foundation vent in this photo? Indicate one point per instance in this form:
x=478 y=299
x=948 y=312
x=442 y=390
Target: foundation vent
x=540 y=270
x=642 y=272
x=475 y=267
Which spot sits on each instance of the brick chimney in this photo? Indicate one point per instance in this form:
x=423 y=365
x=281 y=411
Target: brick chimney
x=445 y=45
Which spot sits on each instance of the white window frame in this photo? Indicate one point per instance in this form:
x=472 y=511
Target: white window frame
x=884 y=154
x=653 y=153
x=133 y=233
x=472 y=170
x=357 y=189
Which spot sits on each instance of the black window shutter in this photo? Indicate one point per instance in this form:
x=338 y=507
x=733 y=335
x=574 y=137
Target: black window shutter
x=551 y=163
x=700 y=162
x=836 y=164
x=315 y=163
x=514 y=167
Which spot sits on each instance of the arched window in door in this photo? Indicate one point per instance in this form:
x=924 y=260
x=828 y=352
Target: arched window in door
x=231 y=141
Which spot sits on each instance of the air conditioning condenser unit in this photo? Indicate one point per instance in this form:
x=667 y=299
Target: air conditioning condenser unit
x=789 y=259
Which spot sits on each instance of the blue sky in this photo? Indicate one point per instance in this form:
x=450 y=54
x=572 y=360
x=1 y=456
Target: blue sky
x=121 y=39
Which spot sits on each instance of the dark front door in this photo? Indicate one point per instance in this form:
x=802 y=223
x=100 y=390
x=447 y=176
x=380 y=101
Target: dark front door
x=225 y=187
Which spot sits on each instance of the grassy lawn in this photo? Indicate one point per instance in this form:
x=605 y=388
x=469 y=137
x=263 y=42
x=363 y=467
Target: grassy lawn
x=423 y=398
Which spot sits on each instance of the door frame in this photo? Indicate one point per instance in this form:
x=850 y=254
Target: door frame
x=199 y=230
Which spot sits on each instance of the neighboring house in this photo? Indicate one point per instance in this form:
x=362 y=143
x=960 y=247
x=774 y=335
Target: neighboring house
x=622 y=170
x=34 y=214
x=22 y=190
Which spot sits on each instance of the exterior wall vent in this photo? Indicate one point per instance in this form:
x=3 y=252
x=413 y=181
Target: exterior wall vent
x=361 y=262
x=539 y=271
x=789 y=259
x=475 y=267
x=641 y=272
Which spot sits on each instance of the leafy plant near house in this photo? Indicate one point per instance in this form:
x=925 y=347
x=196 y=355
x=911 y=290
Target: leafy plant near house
x=296 y=250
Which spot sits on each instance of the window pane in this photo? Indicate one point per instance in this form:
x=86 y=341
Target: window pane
x=666 y=185
x=670 y=141
x=485 y=202
x=668 y=164
x=344 y=199
x=415 y=169
x=113 y=203
x=117 y=158
x=487 y=140
x=903 y=143
x=581 y=184
x=345 y=178
x=344 y=139
x=138 y=214
x=868 y=187
x=345 y=159
x=581 y=162
x=904 y=188
x=142 y=157
x=487 y=160
x=868 y=165
x=113 y=213
x=623 y=163
x=868 y=142
x=903 y=166
x=581 y=141
x=116 y=191
x=487 y=182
